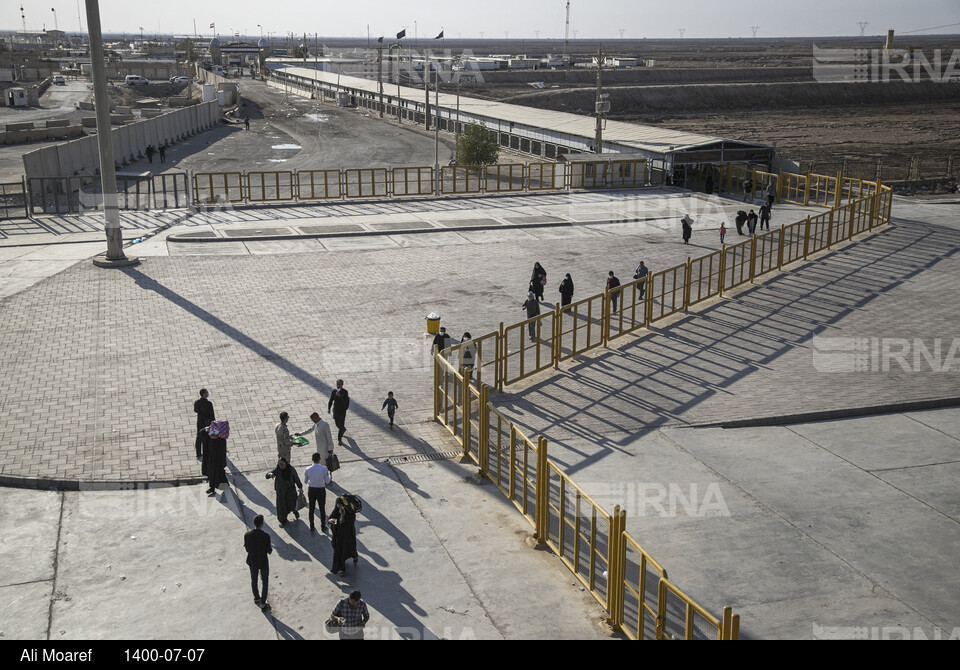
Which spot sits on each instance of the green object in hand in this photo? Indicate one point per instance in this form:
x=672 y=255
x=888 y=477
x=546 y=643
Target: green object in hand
x=301 y=441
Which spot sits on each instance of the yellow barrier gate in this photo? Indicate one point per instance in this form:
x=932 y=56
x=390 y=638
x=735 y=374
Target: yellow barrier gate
x=667 y=293
x=458 y=179
x=522 y=357
x=697 y=623
x=499 y=178
x=628 y=173
x=412 y=181
x=318 y=185
x=578 y=531
x=545 y=176
x=706 y=277
x=631 y=308
x=579 y=327
x=513 y=462
x=365 y=183
x=588 y=174
x=217 y=187
x=270 y=186
x=636 y=610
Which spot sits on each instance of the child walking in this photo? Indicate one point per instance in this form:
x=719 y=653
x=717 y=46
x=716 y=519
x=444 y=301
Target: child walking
x=391 y=404
x=723 y=231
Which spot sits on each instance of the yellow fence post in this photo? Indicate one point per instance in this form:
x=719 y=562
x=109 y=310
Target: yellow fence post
x=839 y=194
x=686 y=285
x=806 y=189
x=806 y=238
x=780 y=250
x=723 y=270
x=436 y=386
x=465 y=412
x=501 y=365
x=830 y=230
x=615 y=556
x=542 y=503
x=557 y=334
x=484 y=430
x=605 y=318
x=753 y=257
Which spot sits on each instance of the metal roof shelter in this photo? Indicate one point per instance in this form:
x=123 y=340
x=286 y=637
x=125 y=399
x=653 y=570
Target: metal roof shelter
x=540 y=132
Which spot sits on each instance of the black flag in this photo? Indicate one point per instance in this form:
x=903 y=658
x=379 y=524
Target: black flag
x=380 y=40
x=440 y=36
x=402 y=34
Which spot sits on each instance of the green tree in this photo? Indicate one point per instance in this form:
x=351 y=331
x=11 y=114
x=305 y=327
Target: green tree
x=477 y=146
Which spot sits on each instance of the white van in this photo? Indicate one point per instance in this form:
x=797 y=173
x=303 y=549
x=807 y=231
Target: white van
x=135 y=80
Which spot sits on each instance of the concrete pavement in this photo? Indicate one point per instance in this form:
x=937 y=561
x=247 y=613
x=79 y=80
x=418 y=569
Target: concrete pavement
x=110 y=362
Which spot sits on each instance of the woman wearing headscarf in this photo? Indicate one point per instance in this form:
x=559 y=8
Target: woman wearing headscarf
x=566 y=290
x=343 y=521
x=286 y=483
x=537 y=280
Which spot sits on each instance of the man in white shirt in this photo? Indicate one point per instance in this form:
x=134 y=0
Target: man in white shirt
x=316 y=477
x=321 y=434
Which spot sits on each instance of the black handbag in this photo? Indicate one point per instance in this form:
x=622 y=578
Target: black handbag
x=333 y=463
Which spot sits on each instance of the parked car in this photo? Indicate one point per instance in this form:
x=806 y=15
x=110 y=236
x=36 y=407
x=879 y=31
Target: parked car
x=135 y=80
x=58 y=79
x=179 y=80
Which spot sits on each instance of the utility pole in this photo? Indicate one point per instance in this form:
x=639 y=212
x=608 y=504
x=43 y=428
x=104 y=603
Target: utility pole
x=108 y=175
x=754 y=29
x=682 y=31
x=602 y=105
x=566 y=34
x=380 y=74
x=863 y=27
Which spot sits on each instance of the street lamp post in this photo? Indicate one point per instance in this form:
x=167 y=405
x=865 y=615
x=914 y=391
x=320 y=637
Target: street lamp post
x=108 y=176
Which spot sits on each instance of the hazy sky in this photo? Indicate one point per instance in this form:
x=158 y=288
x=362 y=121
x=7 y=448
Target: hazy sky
x=516 y=19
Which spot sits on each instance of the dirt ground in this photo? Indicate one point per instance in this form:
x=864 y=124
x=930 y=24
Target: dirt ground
x=855 y=140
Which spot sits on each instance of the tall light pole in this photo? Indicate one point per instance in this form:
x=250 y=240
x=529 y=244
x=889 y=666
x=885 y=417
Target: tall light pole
x=108 y=176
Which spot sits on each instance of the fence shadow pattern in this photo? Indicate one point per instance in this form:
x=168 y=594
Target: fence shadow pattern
x=592 y=542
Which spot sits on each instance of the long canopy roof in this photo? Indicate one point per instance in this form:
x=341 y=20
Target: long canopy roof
x=651 y=139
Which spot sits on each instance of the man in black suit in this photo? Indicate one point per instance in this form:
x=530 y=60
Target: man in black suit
x=204 y=409
x=339 y=401
x=257 y=544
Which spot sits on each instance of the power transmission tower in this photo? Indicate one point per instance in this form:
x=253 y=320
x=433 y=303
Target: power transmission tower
x=754 y=29
x=863 y=27
x=682 y=31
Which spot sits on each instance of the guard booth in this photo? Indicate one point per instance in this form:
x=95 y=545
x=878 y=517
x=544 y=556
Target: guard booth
x=15 y=97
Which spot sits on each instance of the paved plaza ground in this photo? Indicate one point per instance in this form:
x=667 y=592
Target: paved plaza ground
x=790 y=450
x=818 y=529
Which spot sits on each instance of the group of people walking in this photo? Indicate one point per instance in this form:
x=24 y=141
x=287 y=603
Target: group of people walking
x=290 y=498
x=566 y=289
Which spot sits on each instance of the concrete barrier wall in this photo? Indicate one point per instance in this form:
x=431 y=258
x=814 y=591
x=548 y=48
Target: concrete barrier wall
x=82 y=156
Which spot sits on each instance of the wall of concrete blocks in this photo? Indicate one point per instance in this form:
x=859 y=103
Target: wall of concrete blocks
x=82 y=156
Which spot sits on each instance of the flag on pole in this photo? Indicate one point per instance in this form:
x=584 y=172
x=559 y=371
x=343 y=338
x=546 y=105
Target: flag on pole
x=380 y=40
x=213 y=25
x=440 y=36
x=402 y=34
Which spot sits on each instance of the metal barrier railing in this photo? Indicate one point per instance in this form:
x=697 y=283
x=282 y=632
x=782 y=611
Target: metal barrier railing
x=637 y=590
x=276 y=186
x=524 y=354
x=579 y=530
x=319 y=185
x=680 y=618
x=13 y=200
x=460 y=179
x=579 y=327
x=218 y=187
x=585 y=536
x=412 y=181
x=365 y=183
x=546 y=176
x=499 y=178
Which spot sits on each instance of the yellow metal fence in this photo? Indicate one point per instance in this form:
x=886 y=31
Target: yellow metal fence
x=592 y=542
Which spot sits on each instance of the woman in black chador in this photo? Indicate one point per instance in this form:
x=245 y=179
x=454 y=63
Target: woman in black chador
x=286 y=483
x=343 y=521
